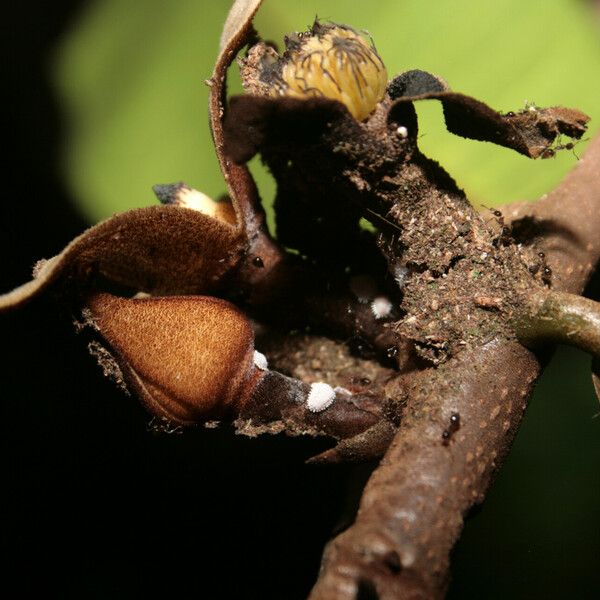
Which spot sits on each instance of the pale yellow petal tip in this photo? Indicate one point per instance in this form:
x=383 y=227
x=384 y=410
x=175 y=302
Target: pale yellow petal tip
x=335 y=62
x=197 y=200
x=181 y=194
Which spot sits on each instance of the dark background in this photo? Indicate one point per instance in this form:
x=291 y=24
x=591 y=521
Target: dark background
x=97 y=507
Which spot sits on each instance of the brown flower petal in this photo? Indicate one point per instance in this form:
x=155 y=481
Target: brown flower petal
x=159 y=249
x=188 y=358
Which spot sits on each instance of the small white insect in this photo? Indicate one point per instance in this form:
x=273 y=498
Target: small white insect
x=381 y=307
x=260 y=361
x=320 y=397
x=402 y=131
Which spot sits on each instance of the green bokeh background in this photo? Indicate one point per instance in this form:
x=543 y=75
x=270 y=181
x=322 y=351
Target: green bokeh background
x=129 y=77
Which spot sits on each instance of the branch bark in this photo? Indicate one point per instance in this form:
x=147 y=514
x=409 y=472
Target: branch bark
x=413 y=507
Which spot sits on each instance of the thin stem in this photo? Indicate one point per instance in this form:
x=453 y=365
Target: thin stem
x=560 y=317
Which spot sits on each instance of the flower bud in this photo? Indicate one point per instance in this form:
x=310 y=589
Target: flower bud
x=188 y=358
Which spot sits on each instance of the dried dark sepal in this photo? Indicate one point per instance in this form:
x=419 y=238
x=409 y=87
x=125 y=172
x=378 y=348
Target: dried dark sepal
x=415 y=83
x=529 y=132
x=255 y=122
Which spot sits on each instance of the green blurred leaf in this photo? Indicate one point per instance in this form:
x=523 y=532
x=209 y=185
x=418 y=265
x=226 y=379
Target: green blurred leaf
x=130 y=76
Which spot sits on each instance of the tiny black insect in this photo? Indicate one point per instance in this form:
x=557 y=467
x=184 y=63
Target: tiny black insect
x=451 y=429
x=505 y=237
x=546 y=275
x=551 y=151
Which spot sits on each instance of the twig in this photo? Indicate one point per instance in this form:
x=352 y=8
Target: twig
x=413 y=507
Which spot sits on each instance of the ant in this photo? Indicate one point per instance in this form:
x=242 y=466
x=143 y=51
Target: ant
x=451 y=429
x=546 y=270
x=505 y=238
x=550 y=152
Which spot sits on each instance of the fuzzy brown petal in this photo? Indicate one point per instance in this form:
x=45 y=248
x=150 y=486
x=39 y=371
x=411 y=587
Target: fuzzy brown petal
x=158 y=249
x=188 y=358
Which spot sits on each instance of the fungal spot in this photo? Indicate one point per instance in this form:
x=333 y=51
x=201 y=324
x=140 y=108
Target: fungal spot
x=381 y=307
x=260 y=361
x=392 y=352
x=320 y=397
x=402 y=132
x=331 y=61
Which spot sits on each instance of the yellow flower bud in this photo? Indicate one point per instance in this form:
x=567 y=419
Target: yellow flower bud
x=335 y=62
